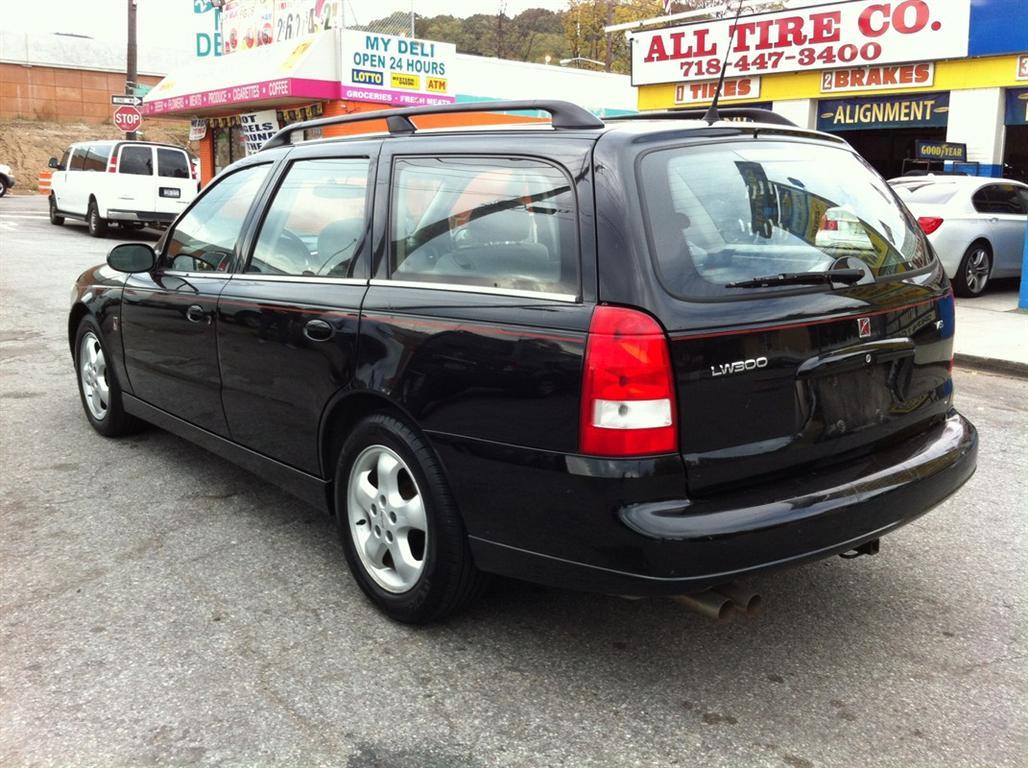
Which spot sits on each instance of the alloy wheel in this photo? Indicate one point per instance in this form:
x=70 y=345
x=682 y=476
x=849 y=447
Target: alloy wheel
x=93 y=375
x=386 y=514
x=976 y=273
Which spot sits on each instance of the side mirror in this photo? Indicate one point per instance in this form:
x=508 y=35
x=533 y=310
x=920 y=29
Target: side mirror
x=54 y=163
x=132 y=257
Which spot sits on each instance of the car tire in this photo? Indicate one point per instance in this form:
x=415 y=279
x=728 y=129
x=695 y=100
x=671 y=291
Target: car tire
x=98 y=386
x=394 y=508
x=55 y=218
x=3 y=186
x=974 y=271
x=97 y=224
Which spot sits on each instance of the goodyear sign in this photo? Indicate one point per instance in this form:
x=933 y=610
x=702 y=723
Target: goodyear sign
x=396 y=71
x=941 y=150
x=923 y=110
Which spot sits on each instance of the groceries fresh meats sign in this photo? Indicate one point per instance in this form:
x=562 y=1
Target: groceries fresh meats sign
x=851 y=34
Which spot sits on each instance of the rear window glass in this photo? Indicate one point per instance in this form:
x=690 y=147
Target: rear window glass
x=724 y=213
x=498 y=222
x=935 y=194
x=172 y=163
x=137 y=161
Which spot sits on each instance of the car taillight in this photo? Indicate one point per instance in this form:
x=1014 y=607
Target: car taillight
x=112 y=164
x=830 y=225
x=929 y=224
x=628 y=391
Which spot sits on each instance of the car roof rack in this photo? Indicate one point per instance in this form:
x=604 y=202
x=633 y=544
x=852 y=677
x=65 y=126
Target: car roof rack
x=563 y=115
x=753 y=113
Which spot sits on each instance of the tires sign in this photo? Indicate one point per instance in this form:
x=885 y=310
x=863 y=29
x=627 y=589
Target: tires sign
x=127 y=118
x=857 y=34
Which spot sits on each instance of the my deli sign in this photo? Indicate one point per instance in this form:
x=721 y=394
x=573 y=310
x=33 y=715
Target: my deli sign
x=858 y=34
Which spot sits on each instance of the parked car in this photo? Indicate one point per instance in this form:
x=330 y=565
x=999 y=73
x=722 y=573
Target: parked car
x=976 y=225
x=6 y=179
x=605 y=356
x=130 y=183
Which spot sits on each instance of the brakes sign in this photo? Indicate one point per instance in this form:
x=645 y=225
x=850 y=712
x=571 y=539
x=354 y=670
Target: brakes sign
x=127 y=118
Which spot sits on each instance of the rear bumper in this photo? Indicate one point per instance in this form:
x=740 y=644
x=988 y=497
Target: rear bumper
x=142 y=216
x=678 y=545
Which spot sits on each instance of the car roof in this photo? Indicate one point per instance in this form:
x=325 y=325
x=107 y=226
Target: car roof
x=127 y=141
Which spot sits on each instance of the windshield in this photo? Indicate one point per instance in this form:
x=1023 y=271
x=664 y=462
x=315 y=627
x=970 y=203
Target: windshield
x=726 y=213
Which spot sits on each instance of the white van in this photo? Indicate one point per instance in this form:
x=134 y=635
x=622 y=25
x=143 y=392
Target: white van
x=132 y=183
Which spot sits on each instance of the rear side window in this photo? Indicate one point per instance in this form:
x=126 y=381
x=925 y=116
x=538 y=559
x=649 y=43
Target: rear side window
x=172 y=163
x=78 y=159
x=507 y=223
x=97 y=156
x=316 y=223
x=731 y=212
x=136 y=161
x=998 y=198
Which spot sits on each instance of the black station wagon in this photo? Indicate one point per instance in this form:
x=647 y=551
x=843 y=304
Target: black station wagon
x=645 y=356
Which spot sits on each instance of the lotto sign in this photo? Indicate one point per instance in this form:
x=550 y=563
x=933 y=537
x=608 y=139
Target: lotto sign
x=127 y=119
x=386 y=69
x=860 y=33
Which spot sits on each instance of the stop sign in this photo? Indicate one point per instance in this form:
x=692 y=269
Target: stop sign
x=127 y=118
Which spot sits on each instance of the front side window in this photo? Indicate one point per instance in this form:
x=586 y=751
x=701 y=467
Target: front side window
x=78 y=159
x=204 y=239
x=732 y=212
x=172 y=163
x=65 y=159
x=507 y=223
x=316 y=223
x=136 y=161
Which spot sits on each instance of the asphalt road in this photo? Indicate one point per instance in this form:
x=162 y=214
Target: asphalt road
x=159 y=606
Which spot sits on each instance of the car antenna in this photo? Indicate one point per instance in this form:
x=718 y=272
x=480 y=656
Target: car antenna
x=712 y=115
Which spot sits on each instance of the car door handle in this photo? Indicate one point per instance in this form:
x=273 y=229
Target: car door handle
x=197 y=314
x=318 y=330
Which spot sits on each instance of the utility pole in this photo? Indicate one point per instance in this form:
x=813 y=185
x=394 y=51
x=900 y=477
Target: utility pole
x=130 y=68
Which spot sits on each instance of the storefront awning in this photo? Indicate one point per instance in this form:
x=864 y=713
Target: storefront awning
x=275 y=75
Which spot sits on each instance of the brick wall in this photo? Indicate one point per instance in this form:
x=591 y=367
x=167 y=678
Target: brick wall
x=63 y=95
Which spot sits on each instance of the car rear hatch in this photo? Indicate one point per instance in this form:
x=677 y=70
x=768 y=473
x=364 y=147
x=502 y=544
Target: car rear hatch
x=797 y=373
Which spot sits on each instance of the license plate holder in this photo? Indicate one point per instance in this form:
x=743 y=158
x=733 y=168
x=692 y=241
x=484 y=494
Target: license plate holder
x=171 y=192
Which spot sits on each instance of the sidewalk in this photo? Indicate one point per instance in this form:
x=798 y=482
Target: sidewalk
x=992 y=334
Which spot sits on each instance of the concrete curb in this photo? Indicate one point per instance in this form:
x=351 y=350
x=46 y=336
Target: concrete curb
x=992 y=365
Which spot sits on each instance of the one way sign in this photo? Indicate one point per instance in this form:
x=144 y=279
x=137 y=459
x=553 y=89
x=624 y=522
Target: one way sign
x=125 y=101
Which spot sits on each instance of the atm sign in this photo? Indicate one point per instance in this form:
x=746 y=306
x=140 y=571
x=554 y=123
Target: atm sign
x=367 y=77
x=435 y=84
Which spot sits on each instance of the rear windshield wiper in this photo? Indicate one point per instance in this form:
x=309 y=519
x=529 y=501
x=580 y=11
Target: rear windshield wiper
x=848 y=276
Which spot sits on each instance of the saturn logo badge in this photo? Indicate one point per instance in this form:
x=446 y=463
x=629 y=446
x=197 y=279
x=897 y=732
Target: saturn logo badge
x=864 y=327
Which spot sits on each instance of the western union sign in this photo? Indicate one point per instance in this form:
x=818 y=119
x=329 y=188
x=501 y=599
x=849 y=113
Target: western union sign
x=921 y=111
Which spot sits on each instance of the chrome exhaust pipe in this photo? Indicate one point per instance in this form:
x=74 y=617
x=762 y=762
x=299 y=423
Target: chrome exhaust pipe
x=745 y=600
x=710 y=604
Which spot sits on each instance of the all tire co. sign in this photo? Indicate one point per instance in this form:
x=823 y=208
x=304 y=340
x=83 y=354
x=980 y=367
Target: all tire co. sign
x=849 y=34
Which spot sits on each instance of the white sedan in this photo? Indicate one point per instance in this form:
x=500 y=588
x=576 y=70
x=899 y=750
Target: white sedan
x=976 y=224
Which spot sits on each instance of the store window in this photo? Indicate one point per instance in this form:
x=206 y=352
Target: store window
x=228 y=146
